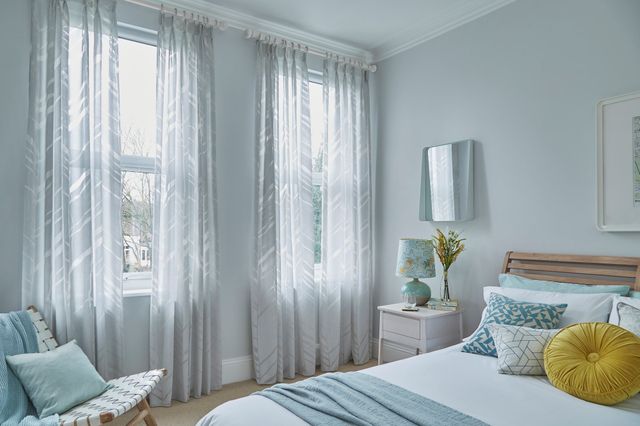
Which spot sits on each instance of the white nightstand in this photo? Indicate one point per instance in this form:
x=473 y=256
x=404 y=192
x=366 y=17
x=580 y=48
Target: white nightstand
x=424 y=331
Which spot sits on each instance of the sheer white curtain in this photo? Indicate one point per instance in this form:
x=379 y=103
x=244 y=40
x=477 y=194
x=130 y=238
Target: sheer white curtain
x=283 y=301
x=72 y=248
x=185 y=328
x=345 y=287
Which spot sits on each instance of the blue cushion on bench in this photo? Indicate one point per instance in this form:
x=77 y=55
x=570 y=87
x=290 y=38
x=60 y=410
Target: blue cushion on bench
x=57 y=380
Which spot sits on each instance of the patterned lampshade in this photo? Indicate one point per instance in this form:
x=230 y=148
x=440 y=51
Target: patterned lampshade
x=415 y=259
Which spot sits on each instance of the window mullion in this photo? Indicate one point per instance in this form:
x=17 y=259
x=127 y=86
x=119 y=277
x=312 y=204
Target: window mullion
x=316 y=178
x=135 y=163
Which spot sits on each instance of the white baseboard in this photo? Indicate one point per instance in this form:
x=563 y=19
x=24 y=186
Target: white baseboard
x=240 y=368
x=237 y=369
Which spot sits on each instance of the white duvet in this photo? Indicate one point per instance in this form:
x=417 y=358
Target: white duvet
x=468 y=383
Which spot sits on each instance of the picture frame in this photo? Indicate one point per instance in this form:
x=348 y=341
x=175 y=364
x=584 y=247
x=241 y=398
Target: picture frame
x=618 y=163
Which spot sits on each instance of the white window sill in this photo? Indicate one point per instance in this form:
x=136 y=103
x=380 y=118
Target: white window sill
x=136 y=284
x=143 y=292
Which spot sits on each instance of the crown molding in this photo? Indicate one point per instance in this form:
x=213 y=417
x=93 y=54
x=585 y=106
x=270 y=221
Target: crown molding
x=244 y=21
x=417 y=36
x=405 y=41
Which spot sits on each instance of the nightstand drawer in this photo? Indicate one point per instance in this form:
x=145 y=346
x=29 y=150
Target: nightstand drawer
x=407 y=333
x=403 y=326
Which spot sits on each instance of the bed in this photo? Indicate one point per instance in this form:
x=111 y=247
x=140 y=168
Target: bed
x=469 y=383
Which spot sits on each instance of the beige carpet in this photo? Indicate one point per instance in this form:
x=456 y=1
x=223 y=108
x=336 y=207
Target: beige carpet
x=188 y=414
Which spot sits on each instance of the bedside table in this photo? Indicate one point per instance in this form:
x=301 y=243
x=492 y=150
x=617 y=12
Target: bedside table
x=424 y=330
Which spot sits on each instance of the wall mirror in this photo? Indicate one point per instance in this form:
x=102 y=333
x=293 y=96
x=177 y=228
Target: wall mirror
x=446 y=190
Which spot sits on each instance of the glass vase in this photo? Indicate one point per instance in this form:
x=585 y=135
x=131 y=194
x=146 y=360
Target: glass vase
x=444 y=289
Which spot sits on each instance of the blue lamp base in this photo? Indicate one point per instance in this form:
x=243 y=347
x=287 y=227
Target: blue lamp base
x=418 y=289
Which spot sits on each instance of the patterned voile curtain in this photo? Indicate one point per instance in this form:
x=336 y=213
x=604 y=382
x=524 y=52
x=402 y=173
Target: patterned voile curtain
x=283 y=294
x=185 y=326
x=345 y=297
x=72 y=248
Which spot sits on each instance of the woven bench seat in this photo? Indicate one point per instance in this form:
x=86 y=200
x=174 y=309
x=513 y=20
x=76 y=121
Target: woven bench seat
x=125 y=394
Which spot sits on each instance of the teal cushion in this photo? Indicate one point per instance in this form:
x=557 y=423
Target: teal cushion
x=504 y=310
x=634 y=294
x=58 y=380
x=515 y=281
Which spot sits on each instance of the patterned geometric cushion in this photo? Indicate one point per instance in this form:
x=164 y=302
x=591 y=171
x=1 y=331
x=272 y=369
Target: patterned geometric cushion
x=520 y=349
x=629 y=317
x=503 y=310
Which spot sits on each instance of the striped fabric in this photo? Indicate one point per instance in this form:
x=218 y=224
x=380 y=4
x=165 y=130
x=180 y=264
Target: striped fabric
x=185 y=324
x=284 y=296
x=72 y=241
x=345 y=287
x=283 y=301
x=125 y=394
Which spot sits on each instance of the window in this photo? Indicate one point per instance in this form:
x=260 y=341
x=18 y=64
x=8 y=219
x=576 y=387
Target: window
x=317 y=123
x=137 y=63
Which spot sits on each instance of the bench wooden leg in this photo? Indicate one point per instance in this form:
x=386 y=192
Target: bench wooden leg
x=149 y=420
x=143 y=415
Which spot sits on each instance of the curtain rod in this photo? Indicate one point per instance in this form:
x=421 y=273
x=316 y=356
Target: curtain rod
x=269 y=38
x=253 y=34
x=211 y=20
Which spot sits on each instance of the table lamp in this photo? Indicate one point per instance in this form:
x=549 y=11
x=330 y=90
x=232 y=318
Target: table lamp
x=415 y=260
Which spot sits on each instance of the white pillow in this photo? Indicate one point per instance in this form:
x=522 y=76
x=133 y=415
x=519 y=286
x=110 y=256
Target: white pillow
x=580 y=307
x=520 y=349
x=613 y=318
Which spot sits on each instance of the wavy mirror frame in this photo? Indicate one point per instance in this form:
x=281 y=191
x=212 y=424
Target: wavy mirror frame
x=446 y=190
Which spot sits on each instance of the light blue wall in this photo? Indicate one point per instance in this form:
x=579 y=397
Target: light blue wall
x=14 y=85
x=524 y=82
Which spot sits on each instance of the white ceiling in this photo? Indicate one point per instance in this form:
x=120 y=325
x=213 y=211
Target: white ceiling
x=380 y=27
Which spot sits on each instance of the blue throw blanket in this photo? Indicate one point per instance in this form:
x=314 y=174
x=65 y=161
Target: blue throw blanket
x=17 y=336
x=361 y=399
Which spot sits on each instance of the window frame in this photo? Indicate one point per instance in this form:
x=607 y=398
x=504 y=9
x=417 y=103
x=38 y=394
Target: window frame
x=137 y=283
x=317 y=77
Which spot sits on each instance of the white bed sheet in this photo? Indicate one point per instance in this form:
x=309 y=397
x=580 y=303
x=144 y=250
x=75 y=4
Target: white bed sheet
x=466 y=382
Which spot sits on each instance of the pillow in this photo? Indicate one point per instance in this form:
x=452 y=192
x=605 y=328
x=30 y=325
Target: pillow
x=515 y=281
x=595 y=361
x=614 y=318
x=520 y=349
x=482 y=315
x=57 y=380
x=629 y=318
x=503 y=310
x=580 y=307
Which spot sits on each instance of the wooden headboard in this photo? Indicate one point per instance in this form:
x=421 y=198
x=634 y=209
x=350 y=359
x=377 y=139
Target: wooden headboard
x=606 y=270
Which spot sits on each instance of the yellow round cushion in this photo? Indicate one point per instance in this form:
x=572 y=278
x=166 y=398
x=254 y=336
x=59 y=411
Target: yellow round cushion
x=594 y=361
